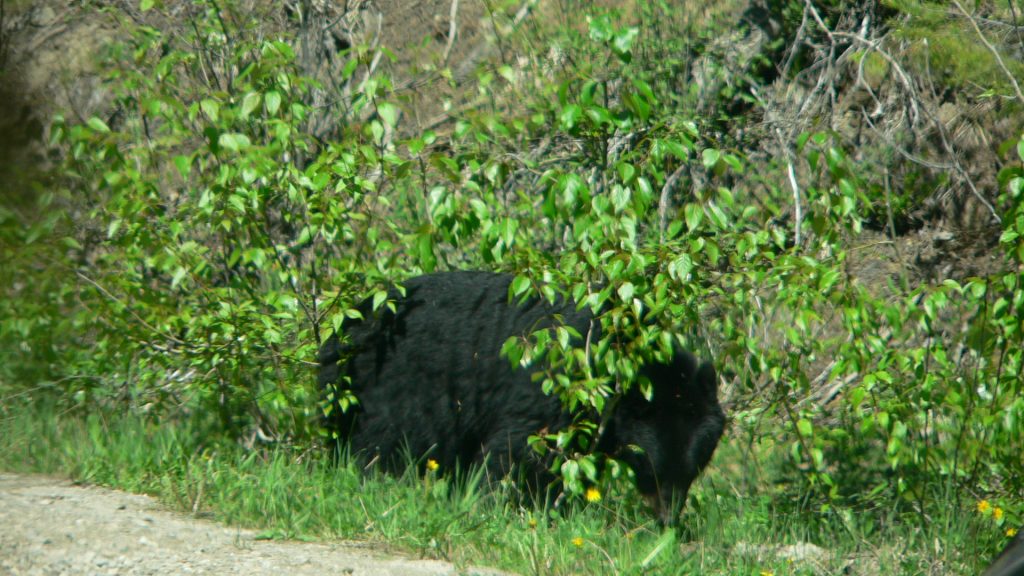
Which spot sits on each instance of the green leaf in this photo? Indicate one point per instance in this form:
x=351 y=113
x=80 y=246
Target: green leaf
x=379 y=297
x=622 y=43
x=599 y=115
x=569 y=116
x=71 y=243
x=734 y=162
x=233 y=141
x=238 y=202
x=184 y=166
x=638 y=105
x=588 y=467
x=425 y=251
x=377 y=130
x=1016 y=186
x=179 y=275
x=520 y=284
x=98 y=125
x=305 y=235
x=694 y=214
x=710 y=158
x=883 y=419
x=211 y=108
x=285 y=50
x=600 y=27
x=249 y=103
x=717 y=215
x=508 y=231
x=681 y=267
x=835 y=158
x=626 y=172
x=562 y=335
x=513 y=351
x=273 y=100
x=804 y=427
x=389 y=113
x=350 y=68
x=626 y=291
x=801 y=141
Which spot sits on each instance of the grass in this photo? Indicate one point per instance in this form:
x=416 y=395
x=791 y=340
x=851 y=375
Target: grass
x=730 y=526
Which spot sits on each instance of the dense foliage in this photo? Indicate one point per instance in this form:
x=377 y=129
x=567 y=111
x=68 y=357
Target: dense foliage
x=191 y=252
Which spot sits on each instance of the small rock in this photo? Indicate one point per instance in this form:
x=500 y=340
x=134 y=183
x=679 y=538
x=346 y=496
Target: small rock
x=803 y=552
x=44 y=17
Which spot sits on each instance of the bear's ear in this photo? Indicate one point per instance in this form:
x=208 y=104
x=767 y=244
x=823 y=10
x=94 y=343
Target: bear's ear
x=707 y=381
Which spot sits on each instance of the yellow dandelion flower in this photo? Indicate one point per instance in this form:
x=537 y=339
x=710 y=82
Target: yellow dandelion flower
x=532 y=523
x=984 y=506
x=432 y=465
x=1011 y=532
x=577 y=542
x=997 y=513
x=592 y=495
x=767 y=573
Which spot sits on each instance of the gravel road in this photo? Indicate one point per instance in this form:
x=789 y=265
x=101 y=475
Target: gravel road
x=50 y=526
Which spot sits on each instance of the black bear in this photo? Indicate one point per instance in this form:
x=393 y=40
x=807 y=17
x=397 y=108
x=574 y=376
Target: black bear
x=430 y=378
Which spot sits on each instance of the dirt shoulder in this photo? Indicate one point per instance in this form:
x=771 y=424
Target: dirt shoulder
x=51 y=526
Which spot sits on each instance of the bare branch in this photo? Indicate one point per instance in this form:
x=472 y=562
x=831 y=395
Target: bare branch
x=453 y=29
x=992 y=49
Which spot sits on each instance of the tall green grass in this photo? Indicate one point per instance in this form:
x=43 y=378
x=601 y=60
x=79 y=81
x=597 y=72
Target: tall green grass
x=737 y=520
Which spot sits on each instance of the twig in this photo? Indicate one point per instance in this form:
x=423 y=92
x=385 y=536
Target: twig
x=138 y=318
x=664 y=202
x=992 y=49
x=900 y=72
x=1016 y=21
x=453 y=29
x=798 y=39
x=798 y=215
x=376 y=57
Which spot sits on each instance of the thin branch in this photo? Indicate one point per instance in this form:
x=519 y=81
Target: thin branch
x=376 y=56
x=900 y=72
x=664 y=203
x=453 y=29
x=138 y=318
x=992 y=49
x=798 y=210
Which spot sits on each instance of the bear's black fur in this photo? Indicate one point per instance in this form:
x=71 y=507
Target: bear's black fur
x=429 y=378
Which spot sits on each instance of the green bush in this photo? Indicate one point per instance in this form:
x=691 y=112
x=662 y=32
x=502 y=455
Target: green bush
x=198 y=247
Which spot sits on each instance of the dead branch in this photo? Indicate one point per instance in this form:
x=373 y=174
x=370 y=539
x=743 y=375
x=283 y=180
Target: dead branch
x=453 y=28
x=992 y=49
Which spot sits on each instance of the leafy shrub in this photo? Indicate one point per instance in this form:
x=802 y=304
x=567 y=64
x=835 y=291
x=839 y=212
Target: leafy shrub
x=204 y=244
